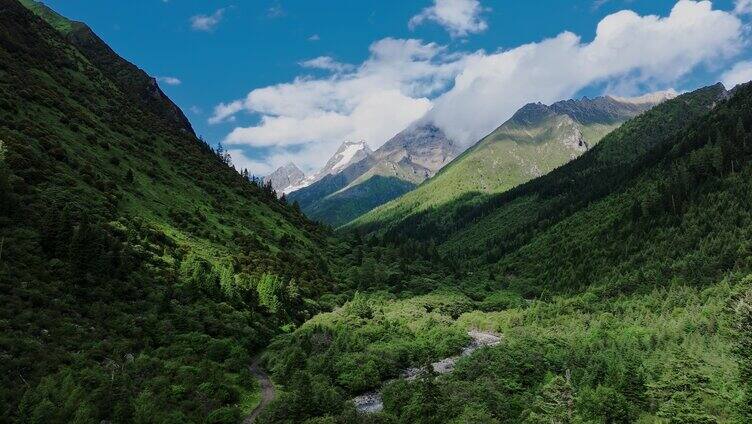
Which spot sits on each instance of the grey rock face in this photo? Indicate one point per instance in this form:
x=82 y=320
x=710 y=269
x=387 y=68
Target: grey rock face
x=422 y=145
x=284 y=177
x=348 y=153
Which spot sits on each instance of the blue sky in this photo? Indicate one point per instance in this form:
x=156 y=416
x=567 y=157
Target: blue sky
x=220 y=51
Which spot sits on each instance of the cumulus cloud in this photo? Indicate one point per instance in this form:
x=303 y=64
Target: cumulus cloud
x=241 y=161
x=308 y=158
x=628 y=50
x=169 y=80
x=225 y=112
x=207 y=22
x=371 y=102
x=468 y=94
x=743 y=7
x=458 y=17
x=738 y=74
x=327 y=63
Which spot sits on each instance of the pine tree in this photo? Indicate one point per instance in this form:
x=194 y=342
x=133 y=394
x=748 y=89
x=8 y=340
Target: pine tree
x=555 y=404
x=743 y=350
x=741 y=133
x=681 y=392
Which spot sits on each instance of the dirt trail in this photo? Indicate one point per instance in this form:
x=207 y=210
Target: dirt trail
x=267 y=391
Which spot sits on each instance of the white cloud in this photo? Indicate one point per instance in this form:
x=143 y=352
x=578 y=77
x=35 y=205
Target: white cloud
x=372 y=102
x=468 y=94
x=225 y=111
x=307 y=158
x=327 y=63
x=169 y=80
x=628 y=51
x=458 y=17
x=255 y=167
x=742 y=7
x=207 y=22
x=314 y=37
x=738 y=74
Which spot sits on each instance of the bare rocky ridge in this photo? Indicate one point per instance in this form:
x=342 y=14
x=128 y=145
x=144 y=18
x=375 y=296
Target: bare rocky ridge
x=347 y=154
x=415 y=154
x=285 y=177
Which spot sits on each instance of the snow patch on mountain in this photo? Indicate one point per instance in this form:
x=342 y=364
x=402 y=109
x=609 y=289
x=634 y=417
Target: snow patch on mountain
x=347 y=154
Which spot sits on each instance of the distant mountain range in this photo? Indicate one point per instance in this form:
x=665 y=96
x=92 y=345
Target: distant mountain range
x=537 y=139
x=403 y=162
x=289 y=178
x=284 y=177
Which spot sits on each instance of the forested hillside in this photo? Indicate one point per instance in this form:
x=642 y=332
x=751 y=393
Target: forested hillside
x=534 y=141
x=139 y=272
x=617 y=283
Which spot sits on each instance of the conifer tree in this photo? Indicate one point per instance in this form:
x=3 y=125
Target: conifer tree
x=681 y=392
x=555 y=404
x=743 y=350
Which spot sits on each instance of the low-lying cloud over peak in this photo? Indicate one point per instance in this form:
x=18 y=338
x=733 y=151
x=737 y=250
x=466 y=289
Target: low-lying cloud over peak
x=740 y=73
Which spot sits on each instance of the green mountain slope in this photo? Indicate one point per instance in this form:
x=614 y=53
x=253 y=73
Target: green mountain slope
x=599 y=169
x=138 y=271
x=619 y=282
x=345 y=205
x=536 y=140
x=132 y=81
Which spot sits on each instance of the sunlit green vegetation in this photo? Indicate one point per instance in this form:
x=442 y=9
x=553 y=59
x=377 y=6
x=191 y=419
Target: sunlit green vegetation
x=139 y=272
x=666 y=354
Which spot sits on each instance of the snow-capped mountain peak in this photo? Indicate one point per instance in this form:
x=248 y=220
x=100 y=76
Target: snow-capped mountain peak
x=347 y=154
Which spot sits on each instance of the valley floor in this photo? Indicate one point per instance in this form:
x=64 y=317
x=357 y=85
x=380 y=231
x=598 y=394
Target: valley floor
x=661 y=356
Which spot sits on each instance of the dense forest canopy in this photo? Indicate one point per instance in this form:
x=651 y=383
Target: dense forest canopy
x=139 y=271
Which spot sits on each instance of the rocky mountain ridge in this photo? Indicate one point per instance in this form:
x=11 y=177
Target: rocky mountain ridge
x=535 y=140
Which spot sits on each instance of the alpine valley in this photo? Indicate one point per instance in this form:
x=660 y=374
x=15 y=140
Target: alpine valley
x=588 y=261
x=537 y=139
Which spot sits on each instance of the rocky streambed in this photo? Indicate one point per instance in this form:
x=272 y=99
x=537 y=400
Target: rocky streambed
x=371 y=402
